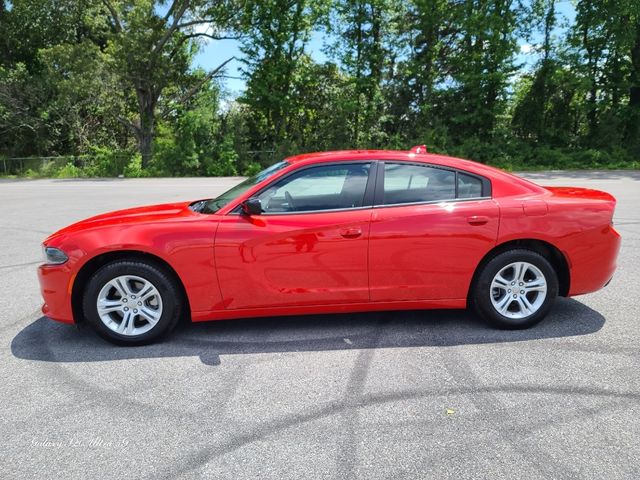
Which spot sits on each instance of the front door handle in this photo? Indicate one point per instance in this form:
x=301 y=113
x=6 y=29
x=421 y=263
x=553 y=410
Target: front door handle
x=353 y=232
x=477 y=220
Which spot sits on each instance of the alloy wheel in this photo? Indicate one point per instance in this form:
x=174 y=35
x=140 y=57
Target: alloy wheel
x=518 y=290
x=129 y=305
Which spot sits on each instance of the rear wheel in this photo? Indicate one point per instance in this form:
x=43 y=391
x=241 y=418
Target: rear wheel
x=515 y=289
x=132 y=302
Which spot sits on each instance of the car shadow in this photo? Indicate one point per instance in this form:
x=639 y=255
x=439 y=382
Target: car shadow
x=49 y=341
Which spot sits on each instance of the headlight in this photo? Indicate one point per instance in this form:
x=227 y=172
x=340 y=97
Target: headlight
x=54 y=256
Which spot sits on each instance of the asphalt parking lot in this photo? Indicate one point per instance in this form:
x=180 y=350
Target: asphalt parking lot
x=389 y=395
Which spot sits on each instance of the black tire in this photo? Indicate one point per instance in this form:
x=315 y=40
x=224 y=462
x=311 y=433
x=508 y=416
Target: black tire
x=170 y=293
x=481 y=292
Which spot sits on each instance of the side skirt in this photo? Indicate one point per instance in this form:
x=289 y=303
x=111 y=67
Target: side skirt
x=334 y=308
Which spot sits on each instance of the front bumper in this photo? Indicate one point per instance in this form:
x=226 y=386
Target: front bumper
x=56 y=282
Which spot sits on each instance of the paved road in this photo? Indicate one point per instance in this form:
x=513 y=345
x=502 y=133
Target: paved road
x=345 y=396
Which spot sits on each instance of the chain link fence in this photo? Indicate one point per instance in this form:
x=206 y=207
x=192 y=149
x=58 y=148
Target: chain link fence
x=67 y=165
x=111 y=165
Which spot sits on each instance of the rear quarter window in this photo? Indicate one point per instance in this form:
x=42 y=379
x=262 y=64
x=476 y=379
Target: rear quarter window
x=469 y=186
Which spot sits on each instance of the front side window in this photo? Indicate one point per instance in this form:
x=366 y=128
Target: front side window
x=327 y=187
x=406 y=183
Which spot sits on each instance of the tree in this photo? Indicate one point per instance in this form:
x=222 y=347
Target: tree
x=605 y=37
x=117 y=76
x=364 y=32
x=51 y=81
x=632 y=130
x=321 y=120
x=546 y=106
x=188 y=139
x=31 y=25
x=153 y=51
x=426 y=40
x=531 y=112
x=481 y=65
x=277 y=33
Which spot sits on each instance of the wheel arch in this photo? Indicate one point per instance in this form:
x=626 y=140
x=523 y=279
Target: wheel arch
x=95 y=263
x=546 y=249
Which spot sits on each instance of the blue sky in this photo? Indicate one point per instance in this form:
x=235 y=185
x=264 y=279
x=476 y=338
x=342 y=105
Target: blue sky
x=214 y=53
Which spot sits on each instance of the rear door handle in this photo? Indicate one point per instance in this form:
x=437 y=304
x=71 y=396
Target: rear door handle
x=353 y=232
x=477 y=220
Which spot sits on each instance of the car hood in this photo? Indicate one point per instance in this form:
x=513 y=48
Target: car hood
x=146 y=214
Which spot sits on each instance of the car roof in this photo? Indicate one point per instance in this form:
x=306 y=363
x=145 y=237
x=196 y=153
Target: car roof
x=403 y=155
x=342 y=155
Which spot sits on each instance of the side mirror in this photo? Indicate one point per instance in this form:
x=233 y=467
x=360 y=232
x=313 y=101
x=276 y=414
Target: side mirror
x=252 y=206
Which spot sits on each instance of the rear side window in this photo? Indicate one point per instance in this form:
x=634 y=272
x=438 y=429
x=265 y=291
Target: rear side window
x=405 y=183
x=469 y=186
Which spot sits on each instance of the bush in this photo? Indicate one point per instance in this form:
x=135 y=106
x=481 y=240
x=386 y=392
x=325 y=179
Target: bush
x=224 y=167
x=134 y=168
x=222 y=161
x=252 y=169
x=50 y=169
x=475 y=149
x=106 y=162
x=69 y=171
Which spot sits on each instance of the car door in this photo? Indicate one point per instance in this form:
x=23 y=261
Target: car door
x=429 y=230
x=308 y=247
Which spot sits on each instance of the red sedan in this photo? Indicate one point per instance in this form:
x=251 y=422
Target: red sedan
x=335 y=232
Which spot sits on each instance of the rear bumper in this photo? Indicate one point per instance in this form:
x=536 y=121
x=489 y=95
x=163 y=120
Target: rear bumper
x=55 y=286
x=593 y=260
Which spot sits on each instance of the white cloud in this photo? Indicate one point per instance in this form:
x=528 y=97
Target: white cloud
x=526 y=48
x=205 y=28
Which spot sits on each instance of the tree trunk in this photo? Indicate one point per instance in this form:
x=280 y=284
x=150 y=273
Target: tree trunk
x=546 y=71
x=592 y=93
x=145 y=145
x=359 y=41
x=146 y=129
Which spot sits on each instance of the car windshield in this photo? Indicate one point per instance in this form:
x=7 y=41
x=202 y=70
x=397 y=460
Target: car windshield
x=213 y=205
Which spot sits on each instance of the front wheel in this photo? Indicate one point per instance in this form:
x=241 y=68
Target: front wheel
x=131 y=302
x=515 y=289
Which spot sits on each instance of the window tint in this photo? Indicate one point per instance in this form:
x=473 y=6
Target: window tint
x=318 y=188
x=415 y=183
x=468 y=186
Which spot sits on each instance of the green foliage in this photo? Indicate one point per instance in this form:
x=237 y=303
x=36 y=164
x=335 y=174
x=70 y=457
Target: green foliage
x=106 y=162
x=134 y=168
x=49 y=169
x=277 y=32
x=225 y=161
x=109 y=86
x=252 y=169
x=364 y=33
x=69 y=171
